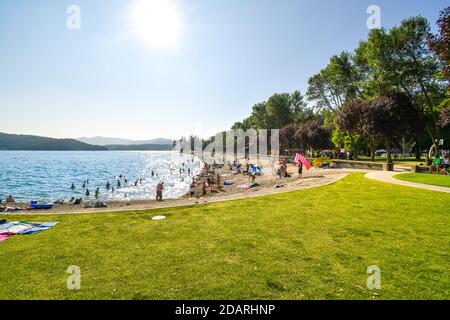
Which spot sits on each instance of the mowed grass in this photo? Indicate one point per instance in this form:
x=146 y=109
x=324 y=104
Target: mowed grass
x=311 y=244
x=425 y=178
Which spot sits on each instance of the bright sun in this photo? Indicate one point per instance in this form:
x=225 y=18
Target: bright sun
x=156 y=23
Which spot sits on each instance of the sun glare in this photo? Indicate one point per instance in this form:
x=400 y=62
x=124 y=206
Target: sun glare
x=156 y=23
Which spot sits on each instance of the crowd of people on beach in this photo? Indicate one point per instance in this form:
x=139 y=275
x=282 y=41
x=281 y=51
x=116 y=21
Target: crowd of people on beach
x=210 y=180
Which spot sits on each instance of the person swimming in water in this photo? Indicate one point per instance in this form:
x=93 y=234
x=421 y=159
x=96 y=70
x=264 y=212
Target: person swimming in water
x=84 y=184
x=118 y=184
x=88 y=193
x=108 y=185
x=97 y=193
x=72 y=187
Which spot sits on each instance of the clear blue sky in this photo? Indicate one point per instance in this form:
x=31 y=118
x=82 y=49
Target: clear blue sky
x=225 y=55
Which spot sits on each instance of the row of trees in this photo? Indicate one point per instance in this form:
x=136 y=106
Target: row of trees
x=393 y=87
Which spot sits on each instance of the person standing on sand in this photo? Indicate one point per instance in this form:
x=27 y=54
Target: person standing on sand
x=300 y=170
x=204 y=186
x=159 y=191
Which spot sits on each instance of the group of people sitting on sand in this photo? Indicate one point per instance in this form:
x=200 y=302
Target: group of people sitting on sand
x=7 y=205
x=207 y=180
x=282 y=170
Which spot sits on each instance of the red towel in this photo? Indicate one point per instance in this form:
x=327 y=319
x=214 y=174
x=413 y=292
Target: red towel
x=5 y=236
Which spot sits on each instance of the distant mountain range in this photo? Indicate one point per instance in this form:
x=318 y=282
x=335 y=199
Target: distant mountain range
x=37 y=143
x=104 y=141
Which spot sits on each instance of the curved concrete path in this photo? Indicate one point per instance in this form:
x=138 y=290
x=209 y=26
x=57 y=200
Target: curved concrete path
x=388 y=177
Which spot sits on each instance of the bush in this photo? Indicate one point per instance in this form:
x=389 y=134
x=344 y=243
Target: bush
x=319 y=162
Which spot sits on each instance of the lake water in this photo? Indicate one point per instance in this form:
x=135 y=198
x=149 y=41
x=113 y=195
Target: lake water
x=48 y=176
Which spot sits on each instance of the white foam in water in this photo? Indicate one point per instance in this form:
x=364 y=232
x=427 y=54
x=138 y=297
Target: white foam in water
x=47 y=176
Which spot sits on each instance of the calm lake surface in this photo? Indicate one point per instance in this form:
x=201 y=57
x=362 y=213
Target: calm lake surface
x=48 y=176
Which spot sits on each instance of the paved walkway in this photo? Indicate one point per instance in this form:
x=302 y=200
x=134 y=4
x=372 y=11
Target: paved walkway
x=388 y=177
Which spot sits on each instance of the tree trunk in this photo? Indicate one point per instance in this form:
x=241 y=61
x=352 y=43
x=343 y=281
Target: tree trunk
x=388 y=151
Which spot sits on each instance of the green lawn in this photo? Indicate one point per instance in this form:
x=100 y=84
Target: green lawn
x=426 y=178
x=311 y=244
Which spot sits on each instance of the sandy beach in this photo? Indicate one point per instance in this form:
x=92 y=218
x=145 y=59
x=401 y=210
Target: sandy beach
x=268 y=184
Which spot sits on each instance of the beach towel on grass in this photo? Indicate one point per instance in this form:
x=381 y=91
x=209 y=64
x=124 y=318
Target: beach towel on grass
x=22 y=227
x=15 y=227
x=38 y=227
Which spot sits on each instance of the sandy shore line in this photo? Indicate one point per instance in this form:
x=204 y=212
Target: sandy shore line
x=267 y=185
